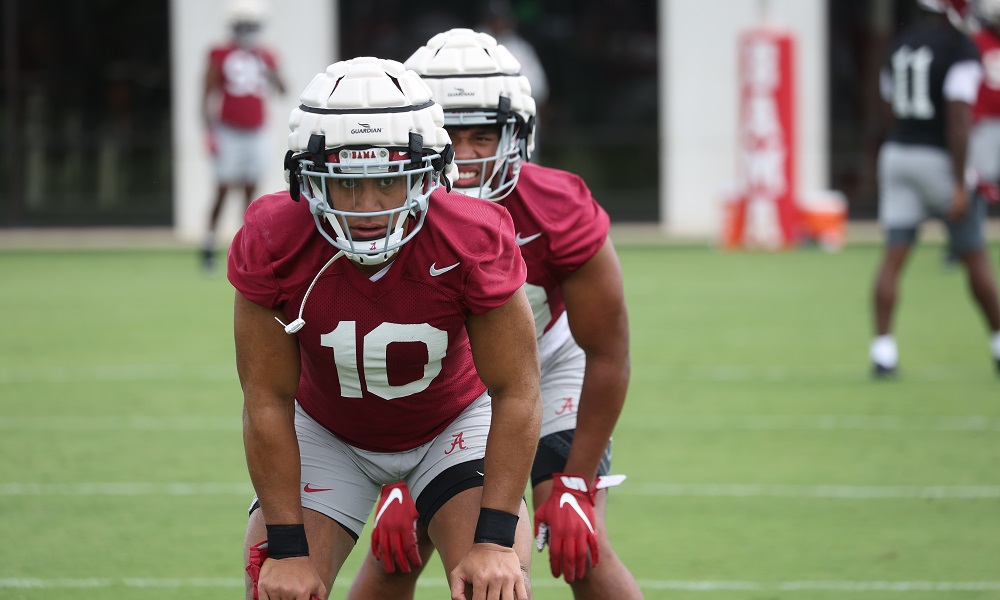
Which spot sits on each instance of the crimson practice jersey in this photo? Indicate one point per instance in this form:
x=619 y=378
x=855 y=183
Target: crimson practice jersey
x=988 y=101
x=244 y=84
x=386 y=364
x=559 y=228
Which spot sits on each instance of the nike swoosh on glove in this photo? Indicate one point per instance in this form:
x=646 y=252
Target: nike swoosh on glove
x=566 y=522
x=394 y=537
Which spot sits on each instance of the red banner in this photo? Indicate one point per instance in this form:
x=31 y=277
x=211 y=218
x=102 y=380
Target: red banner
x=767 y=148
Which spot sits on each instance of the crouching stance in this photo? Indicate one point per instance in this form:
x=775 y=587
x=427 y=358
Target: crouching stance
x=382 y=335
x=574 y=285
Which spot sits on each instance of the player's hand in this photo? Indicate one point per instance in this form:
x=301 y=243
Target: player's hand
x=566 y=522
x=394 y=537
x=285 y=579
x=492 y=571
x=988 y=190
x=211 y=142
x=959 y=204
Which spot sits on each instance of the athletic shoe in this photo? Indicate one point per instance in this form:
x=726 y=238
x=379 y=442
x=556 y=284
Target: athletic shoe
x=883 y=372
x=208 y=260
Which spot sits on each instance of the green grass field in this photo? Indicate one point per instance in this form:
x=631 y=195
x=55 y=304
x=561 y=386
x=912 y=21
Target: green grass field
x=763 y=461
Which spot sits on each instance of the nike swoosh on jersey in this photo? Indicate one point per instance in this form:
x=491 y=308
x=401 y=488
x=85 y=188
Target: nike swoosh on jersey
x=524 y=240
x=395 y=494
x=310 y=489
x=568 y=498
x=435 y=271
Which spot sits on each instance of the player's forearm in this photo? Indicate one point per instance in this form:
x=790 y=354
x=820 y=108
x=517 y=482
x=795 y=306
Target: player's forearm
x=510 y=449
x=959 y=124
x=602 y=398
x=272 y=454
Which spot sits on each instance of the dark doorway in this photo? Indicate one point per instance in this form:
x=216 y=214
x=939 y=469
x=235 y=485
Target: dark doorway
x=85 y=107
x=600 y=58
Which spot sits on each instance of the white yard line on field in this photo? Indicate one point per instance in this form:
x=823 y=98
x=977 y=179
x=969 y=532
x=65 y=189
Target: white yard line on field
x=846 y=373
x=806 y=373
x=703 y=490
x=116 y=373
x=847 y=492
x=930 y=423
x=646 y=584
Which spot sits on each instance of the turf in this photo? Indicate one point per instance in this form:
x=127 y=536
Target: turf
x=763 y=461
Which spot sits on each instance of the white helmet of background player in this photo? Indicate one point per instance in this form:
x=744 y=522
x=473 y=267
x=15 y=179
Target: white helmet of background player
x=959 y=12
x=479 y=82
x=988 y=12
x=245 y=18
x=367 y=118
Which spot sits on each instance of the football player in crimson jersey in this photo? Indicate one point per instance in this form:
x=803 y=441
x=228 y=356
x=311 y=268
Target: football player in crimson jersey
x=574 y=283
x=409 y=351
x=930 y=80
x=239 y=76
x=984 y=145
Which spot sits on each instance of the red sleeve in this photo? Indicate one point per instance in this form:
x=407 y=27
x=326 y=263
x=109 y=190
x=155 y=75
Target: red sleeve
x=579 y=234
x=250 y=267
x=269 y=59
x=498 y=272
x=216 y=55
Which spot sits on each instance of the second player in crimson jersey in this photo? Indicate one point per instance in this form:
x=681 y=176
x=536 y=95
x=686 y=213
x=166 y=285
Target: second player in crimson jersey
x=984 y=139
x=574 y=285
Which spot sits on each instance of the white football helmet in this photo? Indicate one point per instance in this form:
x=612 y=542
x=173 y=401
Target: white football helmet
x=367 y=118
x=246 y=11
x=245 y=19
x=478 y=82
x=959 y=12
x=987 y=11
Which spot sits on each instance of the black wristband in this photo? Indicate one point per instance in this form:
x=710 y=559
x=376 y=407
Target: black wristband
x=495 y=527
x=286 y=541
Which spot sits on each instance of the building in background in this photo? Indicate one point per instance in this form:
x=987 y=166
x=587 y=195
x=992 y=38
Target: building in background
x=99 y=99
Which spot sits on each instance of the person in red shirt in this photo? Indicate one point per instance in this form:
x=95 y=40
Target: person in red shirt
x=239 y=77
x=382 y=334
x=574 y=283
x=984 y=149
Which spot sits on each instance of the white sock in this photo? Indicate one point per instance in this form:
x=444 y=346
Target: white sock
x=995 y=344
x=884 y=351
x=209 y=243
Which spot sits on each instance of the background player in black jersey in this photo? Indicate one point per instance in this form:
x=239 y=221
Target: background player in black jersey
x=931 y=79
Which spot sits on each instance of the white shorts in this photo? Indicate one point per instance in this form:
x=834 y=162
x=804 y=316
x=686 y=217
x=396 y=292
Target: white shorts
x=343 y=482
x=561 y=383
x=984 y=149
x=915 y=184
x=241 y=154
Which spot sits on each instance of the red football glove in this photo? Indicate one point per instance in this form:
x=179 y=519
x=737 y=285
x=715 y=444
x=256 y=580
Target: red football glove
x=988 y=190
x=394 y=537
x=566 y=522
x=258 y=554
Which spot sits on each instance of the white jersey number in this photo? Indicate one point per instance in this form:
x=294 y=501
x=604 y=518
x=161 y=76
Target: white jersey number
x=911 y=83
x=244 y=74
x=371 y=363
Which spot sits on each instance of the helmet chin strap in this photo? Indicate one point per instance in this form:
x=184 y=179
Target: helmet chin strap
x=299 y=323
x=363 y=259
